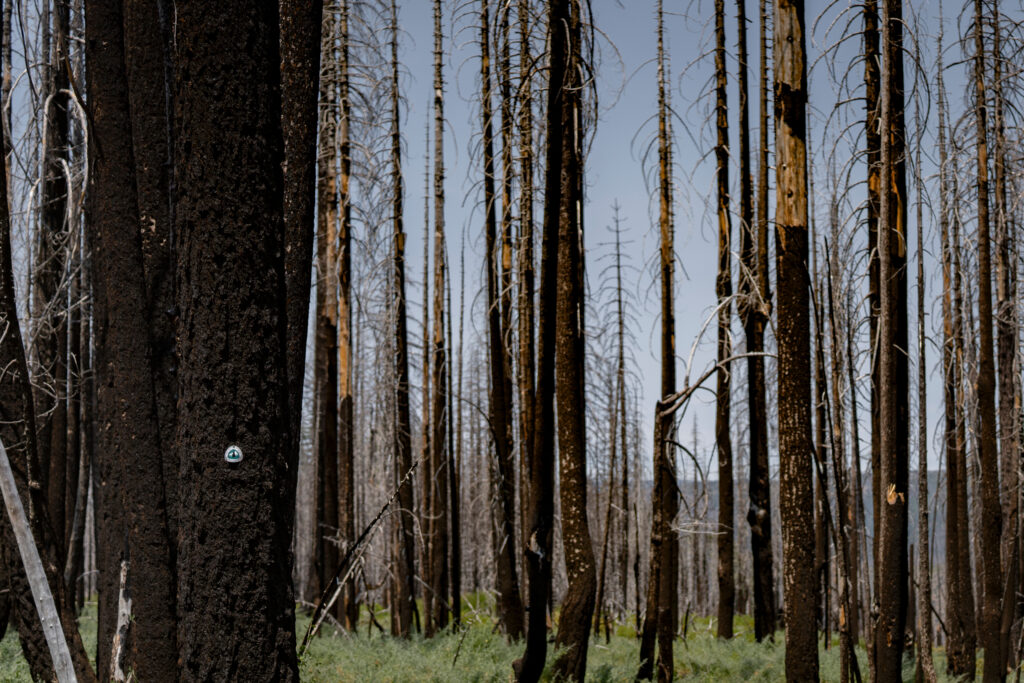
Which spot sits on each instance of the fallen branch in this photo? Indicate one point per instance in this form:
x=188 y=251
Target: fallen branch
x=345 y=567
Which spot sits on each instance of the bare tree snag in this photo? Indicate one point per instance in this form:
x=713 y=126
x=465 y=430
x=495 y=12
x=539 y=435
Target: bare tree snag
x=793 y=335
x=237 y=612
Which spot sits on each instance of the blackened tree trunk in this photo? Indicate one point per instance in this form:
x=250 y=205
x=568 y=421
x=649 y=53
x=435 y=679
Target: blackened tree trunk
x=509 y=601
x=145 y=62
x=723 y=290
x=542 y=476
x=237 y=614
x=759 y=514
x=794 y=344
x=327 y=356
x=924 y=576
x=960 y=660
x=301 y=22
x=660 y=618
x=52 y=253
x=891 y=560
x=405 y=587
x=525 y=264
x=439 y=452
x=348 y=609
x=578 y=605
x=135 y=514
x=988 y=455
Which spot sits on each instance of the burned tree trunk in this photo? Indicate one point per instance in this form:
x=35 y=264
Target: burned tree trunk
x=134 y=513
x=988 y=455
x=891 y=560
x=723 y=290
x=237 y=613
x=794 y=344
x=578 y=604
x=542 y=478
x=404 y=583
x=301 y=26
x=509 y=601
x=438 y=464
x=661 y=615
x=759 y=514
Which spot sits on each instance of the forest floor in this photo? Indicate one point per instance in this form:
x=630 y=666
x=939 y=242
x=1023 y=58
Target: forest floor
x=476 y=653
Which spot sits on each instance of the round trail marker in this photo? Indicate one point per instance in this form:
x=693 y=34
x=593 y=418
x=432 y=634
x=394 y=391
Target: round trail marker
x=233 y=454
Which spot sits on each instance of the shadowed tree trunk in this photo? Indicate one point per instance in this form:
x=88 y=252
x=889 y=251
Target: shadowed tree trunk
x=794 y=344
x=348 y=608
x=578 y=604
x=237 y=613
x=327 y=354
x=960 y=659
x=988 y=455
x=891 y=560
x=404 y=586
x=661 y=615
x=924 y=577
x=542 y=476
x=759 y=514
x=723 y=290
x=439 y=451
x=509 y=602
x=136 y=512
x=301 y=26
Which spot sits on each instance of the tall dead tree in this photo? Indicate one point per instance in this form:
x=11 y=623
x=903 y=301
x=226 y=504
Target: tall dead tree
x=557 y=194
x=404 y=586
x=345 y=519
x=301 y=27
x=924 y=577
x=578 y=603
x=439 y=451
x=988 y=455
x=756 y=315
x=959 y=616
x=660 y=617
x=133 y=512
x=509 y=601
x=723 y=290
x=525 y=264
x=50 y=272
x=891 y=560
x=794 y=345
x=236 y=609
x=325 y=371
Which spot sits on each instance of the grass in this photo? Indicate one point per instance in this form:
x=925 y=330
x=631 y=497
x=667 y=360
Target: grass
x=475 y=653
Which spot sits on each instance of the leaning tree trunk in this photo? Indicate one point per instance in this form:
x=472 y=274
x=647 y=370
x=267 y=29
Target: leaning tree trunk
x=794 y=343
x=134 y=513
x=236 y=609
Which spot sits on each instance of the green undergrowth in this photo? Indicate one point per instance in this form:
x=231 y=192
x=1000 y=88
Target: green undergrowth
x=475 y=652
